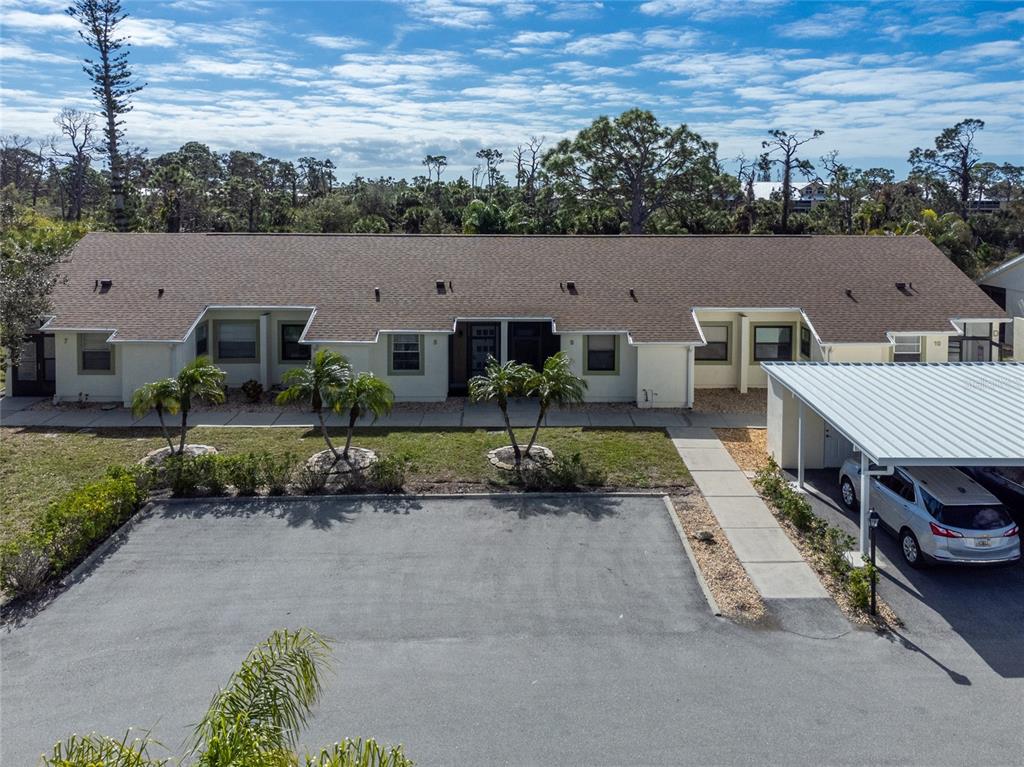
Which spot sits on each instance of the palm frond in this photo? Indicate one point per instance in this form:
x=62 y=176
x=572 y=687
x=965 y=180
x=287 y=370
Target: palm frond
x=359 y=753
x=272 y=693
x=102 y=751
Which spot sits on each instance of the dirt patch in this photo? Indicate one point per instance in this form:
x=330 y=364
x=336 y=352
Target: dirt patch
x=730 y=401
x=503 y=457
x=748 y=447
x=732 y=588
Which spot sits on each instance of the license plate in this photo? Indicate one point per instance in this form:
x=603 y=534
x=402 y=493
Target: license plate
x=982 y=543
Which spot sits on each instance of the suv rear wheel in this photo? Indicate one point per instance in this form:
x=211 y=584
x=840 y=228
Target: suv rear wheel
x=911 y=549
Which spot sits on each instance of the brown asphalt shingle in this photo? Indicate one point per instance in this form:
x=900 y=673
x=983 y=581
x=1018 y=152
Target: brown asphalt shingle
x=515 y=276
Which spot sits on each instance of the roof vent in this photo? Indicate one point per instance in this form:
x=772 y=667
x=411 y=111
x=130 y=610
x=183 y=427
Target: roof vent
x=441 y=290
x=159 y=292
x=849 y=294
x=376 y=295
x=571 y=287
x=103 y=284
x=906 y=288
x=632 y=294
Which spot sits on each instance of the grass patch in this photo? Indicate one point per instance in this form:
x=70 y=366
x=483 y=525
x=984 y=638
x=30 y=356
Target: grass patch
x=38 y=465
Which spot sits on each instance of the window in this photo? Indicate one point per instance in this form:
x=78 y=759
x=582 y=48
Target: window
x=773 y=342
x=406 y=354
x=95 y=355
x=291 y=349
x=717 y=348
x=602 y=354
x=907 y=349
x=805 y=341
x=238 y=340
x=202 y=339
x=898 y=484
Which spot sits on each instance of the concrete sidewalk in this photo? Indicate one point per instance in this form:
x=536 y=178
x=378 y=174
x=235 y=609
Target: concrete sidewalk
x=18 y=411
x=791 y=590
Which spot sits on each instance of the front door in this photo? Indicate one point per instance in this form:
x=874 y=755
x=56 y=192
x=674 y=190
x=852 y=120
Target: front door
x=35 y=375
x=483 y=344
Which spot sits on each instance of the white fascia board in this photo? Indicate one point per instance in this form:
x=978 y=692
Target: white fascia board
x=756 y=310
x=1005 y=267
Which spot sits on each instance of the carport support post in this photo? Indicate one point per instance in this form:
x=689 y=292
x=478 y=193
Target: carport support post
x=800 y=447
x=865 y=502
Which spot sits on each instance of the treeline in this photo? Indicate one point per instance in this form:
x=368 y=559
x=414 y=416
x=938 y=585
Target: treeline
x=630 y=174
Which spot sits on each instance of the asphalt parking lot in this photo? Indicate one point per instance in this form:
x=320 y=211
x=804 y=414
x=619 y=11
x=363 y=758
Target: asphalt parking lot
x=502 y=630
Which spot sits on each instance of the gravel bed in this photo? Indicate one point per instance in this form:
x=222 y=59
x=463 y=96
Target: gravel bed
x=730 y=401
x=748 y=447
x=736 y=595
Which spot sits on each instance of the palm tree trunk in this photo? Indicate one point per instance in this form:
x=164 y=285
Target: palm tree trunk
x=163 y=428
x=327 y=437
x=184 y=430
x=508 y=427
x=353 y=416
x=536 y=428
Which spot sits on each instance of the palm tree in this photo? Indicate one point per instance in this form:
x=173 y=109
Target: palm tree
x=365 y=393
x=555 y=384
x=200 y=380
x=254 y=721
x=318 y=384
x=161 y=396
x=498 y=383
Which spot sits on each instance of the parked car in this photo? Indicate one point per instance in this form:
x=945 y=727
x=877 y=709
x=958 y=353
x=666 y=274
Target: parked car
x=937 y=514
x=1004 y=482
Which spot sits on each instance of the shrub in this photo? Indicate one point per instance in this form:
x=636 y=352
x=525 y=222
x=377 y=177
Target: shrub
x=277 y=470
x=24 y=566
x=181 y=474
x=359 y=753
x=311 y=479
x=253 y=390
x=245 y=472
x=387 y=474
x=563 y=473
x=858 y=585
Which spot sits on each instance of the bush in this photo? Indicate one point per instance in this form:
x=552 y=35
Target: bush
x=563 y=473
x=311 y=480
x=387 y=474
x=24 y=566
x=253 y=390
x=858 y=585
x=277 y=470
x=245 y=472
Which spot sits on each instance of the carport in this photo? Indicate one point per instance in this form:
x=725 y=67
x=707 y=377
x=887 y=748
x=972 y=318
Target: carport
x=906 y=414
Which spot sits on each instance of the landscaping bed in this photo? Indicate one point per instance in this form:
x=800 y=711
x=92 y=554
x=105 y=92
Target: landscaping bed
x=735 y=593
x=748 y=447
x=40 y=465
x=730 y=401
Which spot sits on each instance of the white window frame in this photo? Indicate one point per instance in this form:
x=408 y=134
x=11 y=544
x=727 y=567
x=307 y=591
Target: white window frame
x=95 y=342
x=906 y=347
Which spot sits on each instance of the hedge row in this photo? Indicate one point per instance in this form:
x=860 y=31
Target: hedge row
x=70 y=528
x=829 y=542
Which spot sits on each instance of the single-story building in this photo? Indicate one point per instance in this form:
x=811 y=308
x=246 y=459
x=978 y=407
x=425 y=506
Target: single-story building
x=1005 y=285
x=644 y=319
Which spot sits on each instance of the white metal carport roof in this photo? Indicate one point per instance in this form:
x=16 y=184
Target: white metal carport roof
x=912 y=414
x=955 y=413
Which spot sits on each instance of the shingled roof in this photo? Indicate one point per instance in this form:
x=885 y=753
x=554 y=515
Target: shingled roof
x=514 y=277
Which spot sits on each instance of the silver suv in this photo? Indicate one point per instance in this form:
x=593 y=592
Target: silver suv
x=937 y=514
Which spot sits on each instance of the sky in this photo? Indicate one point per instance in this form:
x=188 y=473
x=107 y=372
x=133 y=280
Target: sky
x=375 y=86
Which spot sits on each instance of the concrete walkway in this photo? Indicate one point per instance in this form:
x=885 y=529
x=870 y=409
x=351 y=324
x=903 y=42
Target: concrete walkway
x=18 y=411
x=791 y=590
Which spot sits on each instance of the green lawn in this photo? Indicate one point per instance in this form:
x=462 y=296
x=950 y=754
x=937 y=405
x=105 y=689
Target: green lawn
x=37 y=465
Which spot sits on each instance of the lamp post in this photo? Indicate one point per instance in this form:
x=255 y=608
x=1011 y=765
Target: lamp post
x=873 y=527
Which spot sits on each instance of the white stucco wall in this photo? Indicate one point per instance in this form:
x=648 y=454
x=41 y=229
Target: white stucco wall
x=270 y=362
x=618 y=387
x=783 y=430
x=142 y=363
x=429 y=386
x=742 y=371
x=662 y=370
x=72 y=386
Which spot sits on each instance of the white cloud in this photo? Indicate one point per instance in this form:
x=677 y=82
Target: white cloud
x=896 y=81
x=456 y=14
x=1007 y=51
x=708 y=10
x=12 y=50
x=538 y=38
x=599 y=45
x=401 y=67
x=336 y=42
x=667 y=37
x=576 y=11
x=835 y=22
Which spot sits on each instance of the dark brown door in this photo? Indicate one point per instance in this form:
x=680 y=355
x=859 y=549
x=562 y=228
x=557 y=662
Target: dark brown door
x=35 y=375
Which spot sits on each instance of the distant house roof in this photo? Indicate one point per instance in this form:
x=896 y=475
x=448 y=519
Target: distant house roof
x=763 y=190
x=846 y=285
x=1003 y=268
